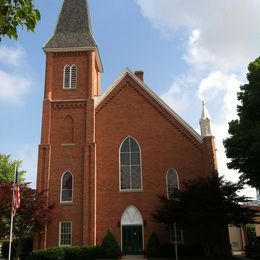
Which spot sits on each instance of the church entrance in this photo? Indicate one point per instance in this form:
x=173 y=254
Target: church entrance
x=132 y=231
x=132 y=240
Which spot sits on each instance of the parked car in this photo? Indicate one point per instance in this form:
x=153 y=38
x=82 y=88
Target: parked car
x=253 y=248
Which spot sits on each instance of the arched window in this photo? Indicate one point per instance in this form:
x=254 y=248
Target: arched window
x=172 y=183
x=66 y=77
x=130 y=165
x=73 y=76
x=70 y=76
x=66 y=187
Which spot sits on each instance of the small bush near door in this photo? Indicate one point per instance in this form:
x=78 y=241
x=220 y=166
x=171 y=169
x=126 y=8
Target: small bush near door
x=110 y=246
x=153 y=246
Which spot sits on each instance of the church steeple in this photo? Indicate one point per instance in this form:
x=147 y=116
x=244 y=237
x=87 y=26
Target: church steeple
x=74 y=28
x=205 y=122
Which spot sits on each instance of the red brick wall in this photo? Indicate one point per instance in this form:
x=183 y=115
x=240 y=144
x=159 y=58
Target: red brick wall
x=165 y=144
x=65 y=147
x=93 y=155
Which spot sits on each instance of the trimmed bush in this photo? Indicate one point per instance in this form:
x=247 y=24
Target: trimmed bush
x=110 y=245
x=27 y=247
x=55 y=253
x=153 y=245
x=86 y=252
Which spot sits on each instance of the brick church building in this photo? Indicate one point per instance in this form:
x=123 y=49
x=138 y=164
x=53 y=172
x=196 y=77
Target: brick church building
x=104 y=158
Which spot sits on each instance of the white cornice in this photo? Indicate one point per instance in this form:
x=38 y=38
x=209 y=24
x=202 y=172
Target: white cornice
x=154 y=96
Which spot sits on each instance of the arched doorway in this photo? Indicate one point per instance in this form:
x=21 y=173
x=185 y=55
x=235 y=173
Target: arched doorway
x=132 y=231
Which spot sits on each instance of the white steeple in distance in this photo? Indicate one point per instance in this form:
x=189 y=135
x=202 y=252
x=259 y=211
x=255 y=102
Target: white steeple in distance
x=205 y=122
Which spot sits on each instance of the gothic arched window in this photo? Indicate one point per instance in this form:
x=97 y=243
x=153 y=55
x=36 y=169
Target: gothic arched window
x=172 y=183
x=130 y=165
x=66 y=187
x=73 y=76
x=70 y=76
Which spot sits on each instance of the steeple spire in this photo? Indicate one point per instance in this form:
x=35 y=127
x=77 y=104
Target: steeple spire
x=74 y=28
x=205 y=122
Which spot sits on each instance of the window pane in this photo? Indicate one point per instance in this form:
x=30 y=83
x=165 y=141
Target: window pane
x=125 y=146
x=172 y=183
x=67 y=181
x=73 y=83
x=125 y=159
x=135 y=159
x=66 y=195
x=125 y=177
x=66 y=77
x=136 y=177
x=134 y=146
x=65 y=233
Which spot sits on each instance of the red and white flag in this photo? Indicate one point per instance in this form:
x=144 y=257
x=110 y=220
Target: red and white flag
x=16 y=194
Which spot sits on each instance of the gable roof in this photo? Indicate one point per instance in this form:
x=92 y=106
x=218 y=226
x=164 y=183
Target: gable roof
x=170 y=111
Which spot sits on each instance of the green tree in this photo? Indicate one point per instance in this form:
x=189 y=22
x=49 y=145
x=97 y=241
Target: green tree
x=14 y=13
x=7 y=168
x=33 y=215
x=243 y=145
x=204 y=208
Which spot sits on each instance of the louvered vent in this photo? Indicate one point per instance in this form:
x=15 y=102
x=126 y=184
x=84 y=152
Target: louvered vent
x=73 y=76
x=66 y=79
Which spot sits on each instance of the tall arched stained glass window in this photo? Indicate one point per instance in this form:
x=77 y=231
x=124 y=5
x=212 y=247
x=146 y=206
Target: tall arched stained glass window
x=130 y=165
x=172 y=183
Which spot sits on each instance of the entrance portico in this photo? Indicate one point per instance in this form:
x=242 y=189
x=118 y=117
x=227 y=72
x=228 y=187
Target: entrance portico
x=132 y=231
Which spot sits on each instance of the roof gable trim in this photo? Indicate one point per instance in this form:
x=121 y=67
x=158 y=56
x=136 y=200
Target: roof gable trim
x=153 y=95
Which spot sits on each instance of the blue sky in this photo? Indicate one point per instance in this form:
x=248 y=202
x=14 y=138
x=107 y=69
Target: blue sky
x=188 y=50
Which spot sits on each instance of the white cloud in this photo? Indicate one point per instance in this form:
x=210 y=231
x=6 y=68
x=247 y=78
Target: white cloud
x=13 y=82
x=222 y=87
x=221 y=38
x=11 y=56
x=226 y=85
x=29 y=155
x=13 y=87
x=228 y=34
x=178 y=94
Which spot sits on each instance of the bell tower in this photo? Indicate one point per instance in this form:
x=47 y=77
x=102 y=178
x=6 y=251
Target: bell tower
x=72 y=80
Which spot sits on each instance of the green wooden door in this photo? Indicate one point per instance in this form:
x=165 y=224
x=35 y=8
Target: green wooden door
x=132 y=240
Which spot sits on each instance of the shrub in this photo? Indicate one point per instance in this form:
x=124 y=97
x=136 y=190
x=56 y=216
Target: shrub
x=86 y=252
x=110 y=246
x=55 y=253
x=153 y=245
x=27 y=247
x=5 y=248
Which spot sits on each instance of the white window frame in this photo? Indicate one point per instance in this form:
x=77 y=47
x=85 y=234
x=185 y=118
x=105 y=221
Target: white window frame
x=70 y=86
x=141 y=170
x=61 y=188
x=60 y=223
x=167 y=173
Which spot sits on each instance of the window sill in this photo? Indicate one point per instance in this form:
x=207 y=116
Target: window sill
x=131 y=190
x=68 y=89
x=65 y=145
x=66 y=203
x=65 y=245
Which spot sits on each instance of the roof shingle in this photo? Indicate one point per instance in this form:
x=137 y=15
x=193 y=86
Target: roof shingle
x=74 y=26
